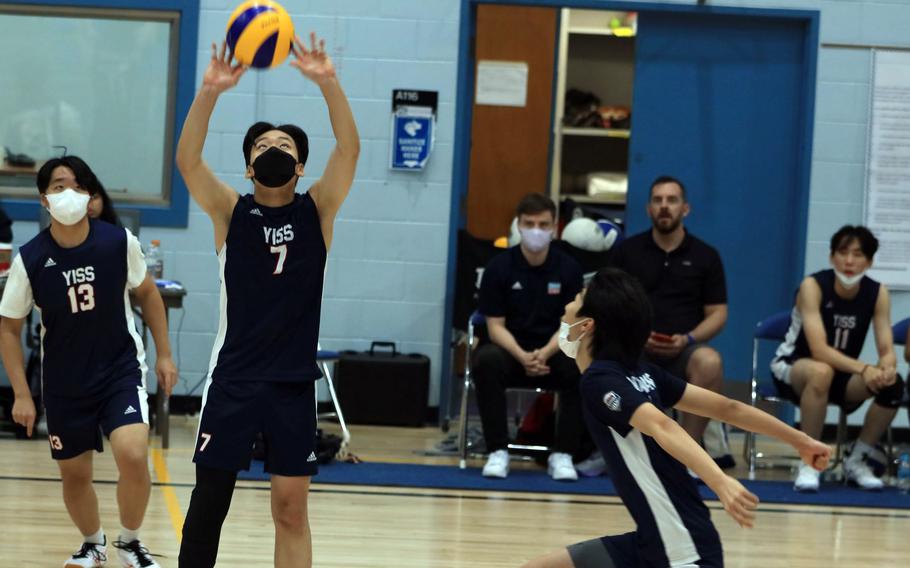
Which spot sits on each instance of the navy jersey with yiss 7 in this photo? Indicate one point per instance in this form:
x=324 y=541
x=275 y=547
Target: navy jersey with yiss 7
x=272 y=266
x=88 y=338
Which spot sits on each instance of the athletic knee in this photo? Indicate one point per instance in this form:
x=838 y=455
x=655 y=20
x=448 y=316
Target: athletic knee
x=706 y=368
x=488 y=362
x=891 y=396
x=133 y=458
x=76 y=477
x=289 y=515
x=819 y=377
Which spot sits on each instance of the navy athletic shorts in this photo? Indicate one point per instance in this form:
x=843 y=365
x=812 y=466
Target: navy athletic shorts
x=234 y=412
x=76 y=425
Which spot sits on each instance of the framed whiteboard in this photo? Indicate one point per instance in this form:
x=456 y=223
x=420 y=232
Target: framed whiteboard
x=887 y=195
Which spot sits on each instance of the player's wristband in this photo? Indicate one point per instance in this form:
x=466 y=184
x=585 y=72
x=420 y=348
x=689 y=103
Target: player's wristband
x=690 y=338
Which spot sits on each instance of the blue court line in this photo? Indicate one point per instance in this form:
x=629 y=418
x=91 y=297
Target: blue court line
x=820 y=510
x=534 y=481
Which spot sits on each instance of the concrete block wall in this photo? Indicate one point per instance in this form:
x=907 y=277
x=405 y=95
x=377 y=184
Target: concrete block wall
x=386 y=271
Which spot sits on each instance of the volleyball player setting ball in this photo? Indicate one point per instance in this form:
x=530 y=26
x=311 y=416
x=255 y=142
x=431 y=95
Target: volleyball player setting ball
x=271 y=246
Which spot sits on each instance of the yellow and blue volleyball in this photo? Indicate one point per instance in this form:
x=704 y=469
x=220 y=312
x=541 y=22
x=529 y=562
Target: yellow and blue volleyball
x=259 y=33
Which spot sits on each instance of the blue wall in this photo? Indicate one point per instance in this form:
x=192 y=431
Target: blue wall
x=386 y=274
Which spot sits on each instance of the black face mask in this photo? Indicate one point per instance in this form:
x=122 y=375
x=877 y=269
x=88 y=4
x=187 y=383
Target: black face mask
x=274 y=168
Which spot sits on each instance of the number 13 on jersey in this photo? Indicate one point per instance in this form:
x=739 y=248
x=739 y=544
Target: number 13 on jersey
x=82 y=298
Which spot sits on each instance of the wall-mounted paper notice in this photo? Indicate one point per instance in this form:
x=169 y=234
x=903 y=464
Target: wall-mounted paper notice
x=502 y=83
x=887 y=207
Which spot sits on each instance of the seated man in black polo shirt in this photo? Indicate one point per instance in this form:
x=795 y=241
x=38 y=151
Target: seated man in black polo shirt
x=522 y=295
x=684 y=278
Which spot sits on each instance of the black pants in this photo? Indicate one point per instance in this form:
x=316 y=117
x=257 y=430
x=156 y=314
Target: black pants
x=494 y=370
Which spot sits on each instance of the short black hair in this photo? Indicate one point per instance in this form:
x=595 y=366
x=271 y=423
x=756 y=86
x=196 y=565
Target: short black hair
x=845 y=236
x=621 y=311
x=295 y=132
x=667 y=179
x=534 y=203
x=84 y=174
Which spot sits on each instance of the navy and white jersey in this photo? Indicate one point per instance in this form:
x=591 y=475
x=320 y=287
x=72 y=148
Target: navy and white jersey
x=272 y=266
x=88 y=336
x=673 y=524
x=846 y=321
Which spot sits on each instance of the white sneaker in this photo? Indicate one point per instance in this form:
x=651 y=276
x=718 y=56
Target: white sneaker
x=560 y=468
x=497 y=464
x=860 y=474
x=91 y=555
x=806 y=479
x=134 y=555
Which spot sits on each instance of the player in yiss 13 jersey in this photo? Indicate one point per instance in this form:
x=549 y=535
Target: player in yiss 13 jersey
x=78 y=274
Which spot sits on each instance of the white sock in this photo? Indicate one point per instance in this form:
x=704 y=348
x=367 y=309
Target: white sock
x=860 y=449
x=97 y=538
x=127 y=535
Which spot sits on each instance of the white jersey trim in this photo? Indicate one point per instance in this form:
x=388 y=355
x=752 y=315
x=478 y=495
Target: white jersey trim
x=787 y=348
x=140 y=349
x=17 y=299
x=678 y=544
x=222 y=319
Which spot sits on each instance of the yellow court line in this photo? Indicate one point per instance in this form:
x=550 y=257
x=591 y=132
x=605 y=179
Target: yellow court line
x=170 y=497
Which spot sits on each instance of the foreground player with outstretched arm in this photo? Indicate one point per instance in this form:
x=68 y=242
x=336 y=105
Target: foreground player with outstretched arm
x=605 y=329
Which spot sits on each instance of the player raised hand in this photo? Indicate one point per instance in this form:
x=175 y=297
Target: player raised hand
x=314 y=63
x=220 y=74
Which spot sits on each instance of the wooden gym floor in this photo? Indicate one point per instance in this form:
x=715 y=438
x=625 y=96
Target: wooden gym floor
x=402 y=527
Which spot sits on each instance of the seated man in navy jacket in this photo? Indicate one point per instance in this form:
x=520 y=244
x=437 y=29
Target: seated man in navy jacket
x=522 y=295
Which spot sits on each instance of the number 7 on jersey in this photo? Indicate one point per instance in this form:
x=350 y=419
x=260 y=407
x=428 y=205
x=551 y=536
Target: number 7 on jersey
x=282 y=252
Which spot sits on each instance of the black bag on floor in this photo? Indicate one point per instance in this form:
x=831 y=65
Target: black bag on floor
x=385 y=388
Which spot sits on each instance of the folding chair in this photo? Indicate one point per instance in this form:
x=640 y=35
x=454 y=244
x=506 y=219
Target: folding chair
x=323 y=358
x=774 y=328
x=475 y=321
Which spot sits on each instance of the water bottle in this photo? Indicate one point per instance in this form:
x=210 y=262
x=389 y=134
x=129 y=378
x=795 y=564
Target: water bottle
x=154 y=259
x=903 y=473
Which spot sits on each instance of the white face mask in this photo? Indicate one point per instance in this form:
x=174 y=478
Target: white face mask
x=535 y=239
x=566 y=345
x=849 y=281
x=68 y=206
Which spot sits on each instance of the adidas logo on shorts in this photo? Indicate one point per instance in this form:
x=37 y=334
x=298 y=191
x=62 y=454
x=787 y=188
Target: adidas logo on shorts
x=256 y=211
x=50 y=262
x=312 y=457
x=130 y=410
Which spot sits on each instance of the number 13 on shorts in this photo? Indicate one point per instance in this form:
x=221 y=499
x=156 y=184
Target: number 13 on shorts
x=206 y=438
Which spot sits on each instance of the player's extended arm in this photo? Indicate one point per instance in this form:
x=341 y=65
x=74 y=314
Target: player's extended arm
x=736 y=499
x=703 y=402
x=213 y=196
x=14 y=363
x=330 y=191
x=149 y=300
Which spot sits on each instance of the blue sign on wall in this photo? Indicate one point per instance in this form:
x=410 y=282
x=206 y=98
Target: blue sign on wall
x=412 y=139
x=413 y=128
